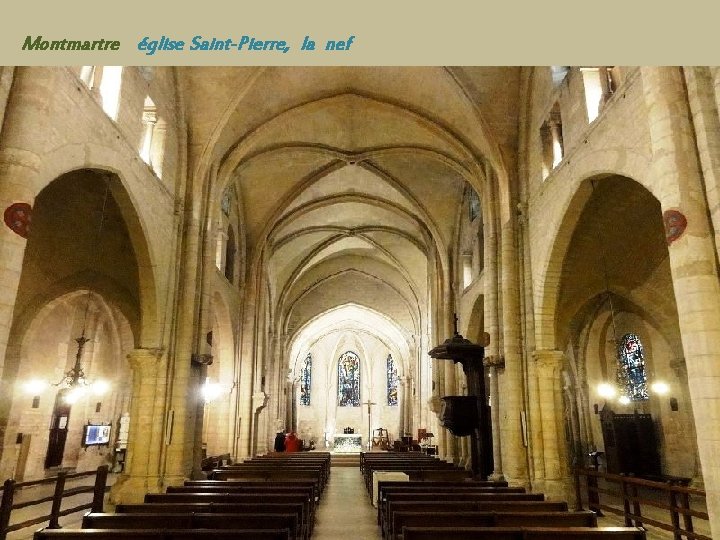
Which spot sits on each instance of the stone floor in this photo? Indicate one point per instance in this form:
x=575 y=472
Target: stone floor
x=345 y=510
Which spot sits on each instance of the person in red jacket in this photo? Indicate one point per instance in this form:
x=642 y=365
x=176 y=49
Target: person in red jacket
x=292 y=443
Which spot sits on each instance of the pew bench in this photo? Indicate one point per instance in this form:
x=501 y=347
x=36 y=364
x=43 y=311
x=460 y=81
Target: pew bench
x=297 y=509
x=162 y=520
x=469 y=506
x=248 y=484
x=489 y=519
x=268 y=487
x=385 y=506
x=260 y=498
x=167 y=534
x=523 y=533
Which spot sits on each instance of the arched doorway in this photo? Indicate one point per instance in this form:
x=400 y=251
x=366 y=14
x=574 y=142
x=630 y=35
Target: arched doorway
x=80 y=279
x=615 y=282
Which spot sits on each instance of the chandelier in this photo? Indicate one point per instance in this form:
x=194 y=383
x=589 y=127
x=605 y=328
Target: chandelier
x=74 y=383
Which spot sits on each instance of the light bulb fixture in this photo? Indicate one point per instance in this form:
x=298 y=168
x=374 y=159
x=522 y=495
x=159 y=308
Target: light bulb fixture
x=624 y=400
x=606 y=390
x=661 y=388
x=74 y=394
x=75 y=377
x=35 y=387
x=211 y=391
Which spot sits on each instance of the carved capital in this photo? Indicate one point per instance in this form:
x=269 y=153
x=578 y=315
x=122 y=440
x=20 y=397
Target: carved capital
x=149 y=117
x=548 y=359
x=495 y=361
x=201 y=359
x=145 y=361
x=259 y=401
x=434 y=404
x=679 y=367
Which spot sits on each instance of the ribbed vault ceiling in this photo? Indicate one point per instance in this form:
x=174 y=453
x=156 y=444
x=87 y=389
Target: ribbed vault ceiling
x=350 y=180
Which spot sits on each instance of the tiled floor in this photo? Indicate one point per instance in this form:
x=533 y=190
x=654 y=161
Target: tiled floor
x=345 y=511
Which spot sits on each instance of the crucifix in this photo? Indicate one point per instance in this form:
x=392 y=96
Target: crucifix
x=369 y=404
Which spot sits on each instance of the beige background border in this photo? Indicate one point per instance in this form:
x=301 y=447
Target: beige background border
x=389 y=32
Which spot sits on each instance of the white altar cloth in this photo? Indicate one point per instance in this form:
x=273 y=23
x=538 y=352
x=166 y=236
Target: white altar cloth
x=350 y=443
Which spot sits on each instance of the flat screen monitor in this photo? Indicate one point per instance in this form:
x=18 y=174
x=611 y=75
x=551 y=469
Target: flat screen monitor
x=95 y=435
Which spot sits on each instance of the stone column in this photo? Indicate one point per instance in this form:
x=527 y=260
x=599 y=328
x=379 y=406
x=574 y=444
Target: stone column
x=464 y=450
x=493 y=359
x=199 y=374
x=706 y=121
x=402 y=398
x=24 y=133
x=510 y=381
x=149 y=119
x=555 y=481
x=494 y=364
x=692 y=262
x=451 y=447
x=680 y=389
x=149 y=425
x=21 y=145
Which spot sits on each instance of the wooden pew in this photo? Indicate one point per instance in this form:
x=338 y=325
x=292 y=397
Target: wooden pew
x=440 y=491
x=298 y=509
x=259 y=498
x=167 y=534
x=266 y=475
x=194 y=521
x=469 y=506
x=391 y=498
x=522 y=533
x=489 y=519
x=267 y=488
x=254 y=483
x=454 y=488
x=416 y=471
x=429 y=485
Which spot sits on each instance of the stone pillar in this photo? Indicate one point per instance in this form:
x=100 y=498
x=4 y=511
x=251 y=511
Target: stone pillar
x=149 y=425
x=402 y=398
x=451 y=449
x=493 y=359
x=706 y=121
x=555 y=481
x=24 y=133
x=464 y=450
x=149 y=119
x=21 y=145
x=692 y=262
x=510 y=381
x=199 y=376
x=157 y=152
x=494 y=363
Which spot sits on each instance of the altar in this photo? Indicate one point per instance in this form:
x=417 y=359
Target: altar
x=347 y=443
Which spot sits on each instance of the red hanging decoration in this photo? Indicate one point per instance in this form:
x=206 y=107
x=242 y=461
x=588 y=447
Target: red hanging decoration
x=675 y=223
x=18 y=217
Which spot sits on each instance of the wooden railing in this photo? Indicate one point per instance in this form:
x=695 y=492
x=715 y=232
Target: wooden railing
x=669 y=498
x=10 y=487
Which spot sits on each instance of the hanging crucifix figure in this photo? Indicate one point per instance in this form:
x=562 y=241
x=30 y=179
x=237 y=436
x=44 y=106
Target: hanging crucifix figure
x=369 y=404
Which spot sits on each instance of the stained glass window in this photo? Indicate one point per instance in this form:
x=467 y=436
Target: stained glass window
x=305 y=380
x=225 y=203
x=392 y=381
x=631 y=368
x=474 y=206
x=349 y=380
